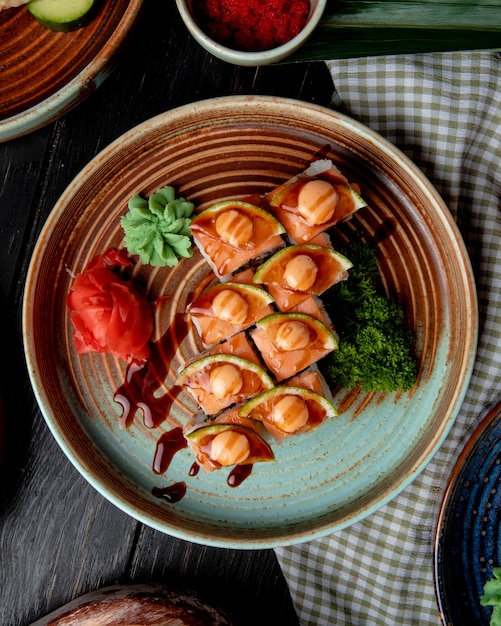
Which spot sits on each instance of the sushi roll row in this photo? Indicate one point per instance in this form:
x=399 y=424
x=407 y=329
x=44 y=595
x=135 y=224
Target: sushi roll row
x=234 y=233
x=262 y=323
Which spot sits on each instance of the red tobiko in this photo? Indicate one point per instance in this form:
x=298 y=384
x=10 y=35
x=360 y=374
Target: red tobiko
x=252 y=25
x=108 y=313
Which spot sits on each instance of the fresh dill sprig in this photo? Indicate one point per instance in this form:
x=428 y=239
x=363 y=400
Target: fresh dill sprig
x=375 y=348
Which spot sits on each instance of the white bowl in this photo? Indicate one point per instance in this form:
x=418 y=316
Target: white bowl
x=239 y=57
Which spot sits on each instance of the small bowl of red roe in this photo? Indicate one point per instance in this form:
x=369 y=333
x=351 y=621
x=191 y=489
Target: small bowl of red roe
x=251 y=32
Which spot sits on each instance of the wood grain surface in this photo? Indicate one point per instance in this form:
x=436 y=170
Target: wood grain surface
x=59 y=538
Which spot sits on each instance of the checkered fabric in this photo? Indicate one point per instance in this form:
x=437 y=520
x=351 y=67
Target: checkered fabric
x=444 y=111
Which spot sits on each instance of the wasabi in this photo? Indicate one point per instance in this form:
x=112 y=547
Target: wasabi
x=158 y=228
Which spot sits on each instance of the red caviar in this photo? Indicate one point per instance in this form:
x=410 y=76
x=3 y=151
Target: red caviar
x=252 y=25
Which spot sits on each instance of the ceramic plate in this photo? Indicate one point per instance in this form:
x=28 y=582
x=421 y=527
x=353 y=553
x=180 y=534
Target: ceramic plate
x=44 y=73
x=468 y=542
x=322 y=481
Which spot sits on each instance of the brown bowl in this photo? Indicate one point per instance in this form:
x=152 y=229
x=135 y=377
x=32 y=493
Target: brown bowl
x=46 y=73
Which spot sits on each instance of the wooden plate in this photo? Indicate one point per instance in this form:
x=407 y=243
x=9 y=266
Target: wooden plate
x=46 y=73
x=326 y=479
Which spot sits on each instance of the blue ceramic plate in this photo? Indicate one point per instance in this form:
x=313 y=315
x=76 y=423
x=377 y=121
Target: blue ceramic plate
x=468 y=542
x=324 y=480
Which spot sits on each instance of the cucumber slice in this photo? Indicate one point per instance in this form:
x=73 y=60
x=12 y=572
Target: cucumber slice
x=272 y=395
x=63 y=15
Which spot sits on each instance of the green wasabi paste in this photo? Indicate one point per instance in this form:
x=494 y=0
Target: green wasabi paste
x=158 y=228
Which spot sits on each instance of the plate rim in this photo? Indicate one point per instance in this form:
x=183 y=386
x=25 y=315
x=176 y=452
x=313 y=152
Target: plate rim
x=491 y=418
x=253 y=101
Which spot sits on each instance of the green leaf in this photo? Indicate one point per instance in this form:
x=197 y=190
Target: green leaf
x=359 y=28
x=492 y=596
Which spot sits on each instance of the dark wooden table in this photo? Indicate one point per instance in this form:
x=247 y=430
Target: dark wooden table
x=59 y=538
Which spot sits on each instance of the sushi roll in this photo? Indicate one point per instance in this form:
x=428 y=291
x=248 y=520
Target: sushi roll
x=314 y=306
x=288 y=410
x=298 y=271
x=218 y=381
x=233 y=233
x=291 y=342
x=227 y=441
x=225 y=309
x=312 y=379
x=238 y=345
x=314 y=200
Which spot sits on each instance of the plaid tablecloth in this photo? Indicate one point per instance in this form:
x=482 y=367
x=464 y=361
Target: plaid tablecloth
x=444 y=111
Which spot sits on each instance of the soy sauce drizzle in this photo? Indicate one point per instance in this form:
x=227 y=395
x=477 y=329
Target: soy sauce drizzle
x=238 y=474
x=173 y=493
x=385 y=230
x=137 y=393
x=142 y=380
x=176 y=492
x=167 y=446
x=194 y=469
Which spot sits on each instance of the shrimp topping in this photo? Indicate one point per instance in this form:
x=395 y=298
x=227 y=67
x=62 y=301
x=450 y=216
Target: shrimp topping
x=230 y=448
x=301 y=272
x=230 y=306
x=317 y=202
x=234 y=228
x=292 y=335
x=225 y=380
x=290 y=413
